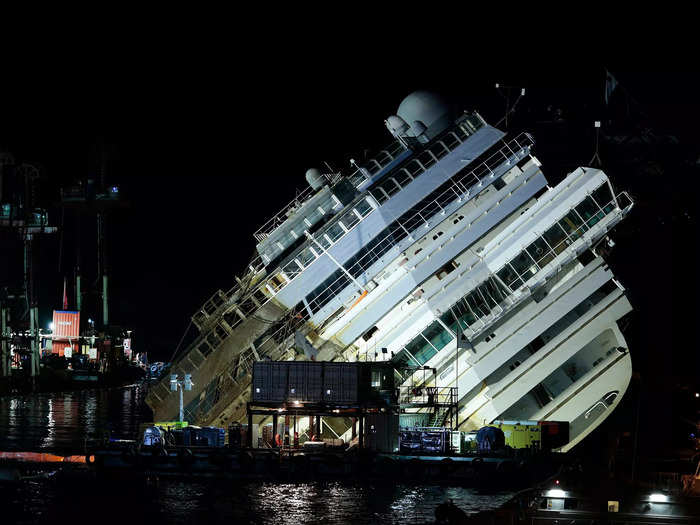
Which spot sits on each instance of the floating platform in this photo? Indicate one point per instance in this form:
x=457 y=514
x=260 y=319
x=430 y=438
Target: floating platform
x=293 y=464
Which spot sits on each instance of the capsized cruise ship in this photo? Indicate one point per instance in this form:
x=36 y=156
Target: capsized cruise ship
x=449 y=250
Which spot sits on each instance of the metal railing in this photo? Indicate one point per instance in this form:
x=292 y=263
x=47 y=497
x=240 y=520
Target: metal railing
x=454 y=189
x=428 y=396
x=358 y=174
x=474 y=320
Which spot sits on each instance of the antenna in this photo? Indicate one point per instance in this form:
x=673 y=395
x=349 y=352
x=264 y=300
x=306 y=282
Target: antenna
x=595 y=160
x=505 y=91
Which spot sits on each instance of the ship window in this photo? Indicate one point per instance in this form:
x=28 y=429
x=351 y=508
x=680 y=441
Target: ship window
x=292 y=269
x=213 y=340
x=260 y=296
x=555 y=237
x=335 y=232
x=603 y=198
x=205 y=349
x=508 y=276
x=363 y=207
x=247 y=306
x=588 y=210
x=572 y=224
x=437 y=335
x=369 y=333
x=446 y=270
x=327 y=290
x=403 y=177
x=477 y=304
x=403 y=359
x=306 y=257
x=376 y=379
x=497 y=290
x=221 y=332
x=277 y=282
x=539 y=251
x=421 y=349
x=524 y=265
x=350 y=219
x=464 y=312
x=498 y=183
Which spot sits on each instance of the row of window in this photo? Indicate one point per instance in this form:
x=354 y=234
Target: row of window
x=479 y=303
x=417 y=216
x=329 y=288
x=398 y=178
x=475 y=305
x=376 y=164
x=556 y=239
x=335 y=231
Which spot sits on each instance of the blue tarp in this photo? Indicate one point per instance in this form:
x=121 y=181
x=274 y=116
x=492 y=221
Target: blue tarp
x=490 y=438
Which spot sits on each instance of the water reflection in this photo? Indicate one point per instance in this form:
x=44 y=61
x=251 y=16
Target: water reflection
x=61 y=421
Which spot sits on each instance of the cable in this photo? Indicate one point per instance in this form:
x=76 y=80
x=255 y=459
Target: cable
x=181 y=340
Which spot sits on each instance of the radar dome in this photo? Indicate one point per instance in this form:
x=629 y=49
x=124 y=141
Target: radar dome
x=396 y=125
x=315 y=179
x=427 y=108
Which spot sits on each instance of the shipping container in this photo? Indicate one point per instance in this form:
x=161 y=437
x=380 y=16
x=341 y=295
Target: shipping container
x=546 y=435
x=66 y=325
x=520 y=434
x=60 y=347
x=340 y=383
x=328 y=382
x=382 y=432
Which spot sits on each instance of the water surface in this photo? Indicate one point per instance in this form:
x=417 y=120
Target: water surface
x=60 y=422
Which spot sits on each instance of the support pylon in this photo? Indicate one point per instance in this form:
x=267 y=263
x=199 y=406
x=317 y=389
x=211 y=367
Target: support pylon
x=5 y=369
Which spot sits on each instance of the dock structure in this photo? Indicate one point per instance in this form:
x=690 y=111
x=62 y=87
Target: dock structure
x=25 y=348
x=361 y=392
x=23 y=219
x=365 y=393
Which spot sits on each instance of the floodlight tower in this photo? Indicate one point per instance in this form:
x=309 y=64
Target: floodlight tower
x=19 y=213
x=182 y=384
x=94 y=198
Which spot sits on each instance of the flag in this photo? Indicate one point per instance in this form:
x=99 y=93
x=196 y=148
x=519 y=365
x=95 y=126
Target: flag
x=463 y=343
x=65 y=295
x=610 y=85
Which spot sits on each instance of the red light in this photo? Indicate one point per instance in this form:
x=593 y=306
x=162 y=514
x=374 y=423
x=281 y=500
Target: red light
x=557 y=482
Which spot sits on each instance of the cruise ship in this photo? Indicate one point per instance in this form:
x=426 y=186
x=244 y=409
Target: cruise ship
x=446 y=251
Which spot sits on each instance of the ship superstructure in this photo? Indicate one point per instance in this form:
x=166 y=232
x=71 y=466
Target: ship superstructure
x=446 y=250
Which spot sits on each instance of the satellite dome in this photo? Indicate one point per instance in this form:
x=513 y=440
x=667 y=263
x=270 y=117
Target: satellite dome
x=427 y=108
x=396 y=125
x=315 y=179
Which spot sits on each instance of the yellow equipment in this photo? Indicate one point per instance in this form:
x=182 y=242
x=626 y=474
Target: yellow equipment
x=520 y=434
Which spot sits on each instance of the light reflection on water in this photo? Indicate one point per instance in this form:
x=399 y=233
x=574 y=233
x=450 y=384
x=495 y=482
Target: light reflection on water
x=187 y=502
x=61 y=421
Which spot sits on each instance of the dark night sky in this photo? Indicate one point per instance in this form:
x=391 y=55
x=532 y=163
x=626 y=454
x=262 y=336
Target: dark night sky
x=206 y=151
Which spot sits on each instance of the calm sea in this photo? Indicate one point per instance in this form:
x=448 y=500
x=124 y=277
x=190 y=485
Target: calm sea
x=60 y=422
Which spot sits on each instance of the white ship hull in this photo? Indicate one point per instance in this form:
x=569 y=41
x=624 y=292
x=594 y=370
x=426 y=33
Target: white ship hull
x=472 y=246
